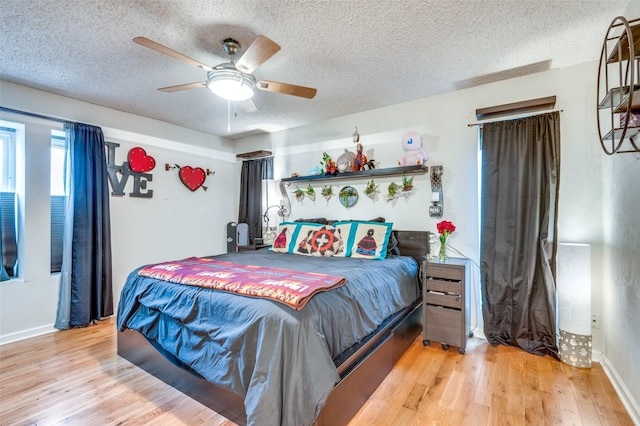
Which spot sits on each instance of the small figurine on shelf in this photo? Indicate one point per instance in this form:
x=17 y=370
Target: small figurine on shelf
x=414 y=155
x=370 y=164
x=330 y=168
x=361 y=159
x=345 y=161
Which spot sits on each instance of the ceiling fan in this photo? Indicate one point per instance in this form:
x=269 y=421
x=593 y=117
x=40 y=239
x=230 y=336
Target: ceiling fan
x=231 y=80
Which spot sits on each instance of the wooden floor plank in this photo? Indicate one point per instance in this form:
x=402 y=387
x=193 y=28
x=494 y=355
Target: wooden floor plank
x=75 y=377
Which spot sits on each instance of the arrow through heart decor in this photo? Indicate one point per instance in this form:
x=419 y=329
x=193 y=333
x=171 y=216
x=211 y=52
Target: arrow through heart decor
x=192 y=177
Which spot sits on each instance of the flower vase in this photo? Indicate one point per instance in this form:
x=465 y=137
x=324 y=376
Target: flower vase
x=442 y=254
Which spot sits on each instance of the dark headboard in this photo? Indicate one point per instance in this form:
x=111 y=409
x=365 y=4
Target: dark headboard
x=413 y=243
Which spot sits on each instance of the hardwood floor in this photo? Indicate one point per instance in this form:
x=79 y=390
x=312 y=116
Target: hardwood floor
x=75 y=377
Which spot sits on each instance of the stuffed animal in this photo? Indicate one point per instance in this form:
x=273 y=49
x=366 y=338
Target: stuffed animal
x=360 y=160
x=345 y=161
x=414 y=155
x=330 y=168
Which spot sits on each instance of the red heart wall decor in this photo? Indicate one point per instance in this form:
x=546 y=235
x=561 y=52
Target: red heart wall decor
x=139 y=161
x=192 y=178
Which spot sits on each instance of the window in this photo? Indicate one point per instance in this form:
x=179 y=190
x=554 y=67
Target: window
x=57 y=199
x=8 y=200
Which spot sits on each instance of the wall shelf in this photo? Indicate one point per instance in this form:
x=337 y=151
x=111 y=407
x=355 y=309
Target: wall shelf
x=618 y=87
x=372 y=173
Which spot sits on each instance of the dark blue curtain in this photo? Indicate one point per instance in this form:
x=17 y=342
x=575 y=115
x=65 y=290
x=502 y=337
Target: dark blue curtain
x=86 y=293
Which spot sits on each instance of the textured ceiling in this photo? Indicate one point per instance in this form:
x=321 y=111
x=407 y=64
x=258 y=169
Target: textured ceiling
x=360 y=55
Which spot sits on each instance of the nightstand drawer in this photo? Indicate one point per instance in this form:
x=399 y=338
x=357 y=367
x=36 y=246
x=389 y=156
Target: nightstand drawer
x=444 y=325
x=444 y=286
x=446 y=272
x=450 y=300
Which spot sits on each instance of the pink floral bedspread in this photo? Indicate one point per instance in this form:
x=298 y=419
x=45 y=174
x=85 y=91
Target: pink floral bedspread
x=293 y=288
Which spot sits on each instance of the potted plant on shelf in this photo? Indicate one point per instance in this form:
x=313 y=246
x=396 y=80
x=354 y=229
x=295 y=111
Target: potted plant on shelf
x=392 y=191
x=327 y=192
x=371 y=190
x=299 y=193
x=311 y=193
x=407 y=185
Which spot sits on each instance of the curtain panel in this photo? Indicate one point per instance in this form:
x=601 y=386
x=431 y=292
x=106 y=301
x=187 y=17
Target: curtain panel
x=519 y=184
x=250 y=211
x=86 y=293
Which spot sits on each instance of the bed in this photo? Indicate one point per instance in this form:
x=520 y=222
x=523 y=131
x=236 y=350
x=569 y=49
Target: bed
x=258 y=362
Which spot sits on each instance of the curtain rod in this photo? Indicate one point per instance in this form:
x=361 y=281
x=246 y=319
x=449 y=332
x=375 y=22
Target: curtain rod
x=33 y=114
x=509 y=119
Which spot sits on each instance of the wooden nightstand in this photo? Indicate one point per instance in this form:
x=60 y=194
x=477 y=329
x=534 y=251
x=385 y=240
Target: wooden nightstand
x=445 y=296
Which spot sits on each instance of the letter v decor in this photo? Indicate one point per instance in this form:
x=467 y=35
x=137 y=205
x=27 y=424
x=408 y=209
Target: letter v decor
x=191 y=177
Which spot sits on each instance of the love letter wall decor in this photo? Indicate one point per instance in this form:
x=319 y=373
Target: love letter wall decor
x=191 y=177
x=137 y=165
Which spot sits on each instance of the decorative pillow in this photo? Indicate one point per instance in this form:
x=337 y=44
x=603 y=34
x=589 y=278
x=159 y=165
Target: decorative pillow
x=302 y=238
x=393 y=245
x=325 y=242
x=344 y=229
x=284 y=237
x=369 y=240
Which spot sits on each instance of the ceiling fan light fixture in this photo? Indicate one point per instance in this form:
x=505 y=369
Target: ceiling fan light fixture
x=229 y=83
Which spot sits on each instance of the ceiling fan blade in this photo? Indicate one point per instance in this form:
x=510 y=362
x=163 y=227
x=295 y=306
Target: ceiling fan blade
x=143 y=41
x=287 y=89
x=179 y=87
x=248 y=106
x=260 y=50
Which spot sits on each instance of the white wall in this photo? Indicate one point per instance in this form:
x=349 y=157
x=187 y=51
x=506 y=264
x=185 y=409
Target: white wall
x=621 y=294
x=174 y=223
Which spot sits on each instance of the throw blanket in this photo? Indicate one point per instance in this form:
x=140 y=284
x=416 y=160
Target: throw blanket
x=293 y=288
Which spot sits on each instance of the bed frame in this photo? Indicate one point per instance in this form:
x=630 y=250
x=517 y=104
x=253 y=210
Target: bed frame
x=361 y=368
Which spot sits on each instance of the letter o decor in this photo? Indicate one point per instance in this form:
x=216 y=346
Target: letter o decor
x=139 y=161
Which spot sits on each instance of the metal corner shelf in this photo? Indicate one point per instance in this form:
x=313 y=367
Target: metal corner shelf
x=389 y=171
x=618 y=87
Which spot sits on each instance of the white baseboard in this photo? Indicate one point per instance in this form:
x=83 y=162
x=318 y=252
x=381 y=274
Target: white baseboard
x=621 y=389
x=25 y=334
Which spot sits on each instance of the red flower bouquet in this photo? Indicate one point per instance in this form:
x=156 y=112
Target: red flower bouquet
x=445 y=228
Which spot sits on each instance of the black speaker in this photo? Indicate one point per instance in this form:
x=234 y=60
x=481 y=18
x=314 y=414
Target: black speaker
x=232 y=235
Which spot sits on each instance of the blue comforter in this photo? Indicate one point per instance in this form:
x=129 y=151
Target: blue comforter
x=278 y=359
